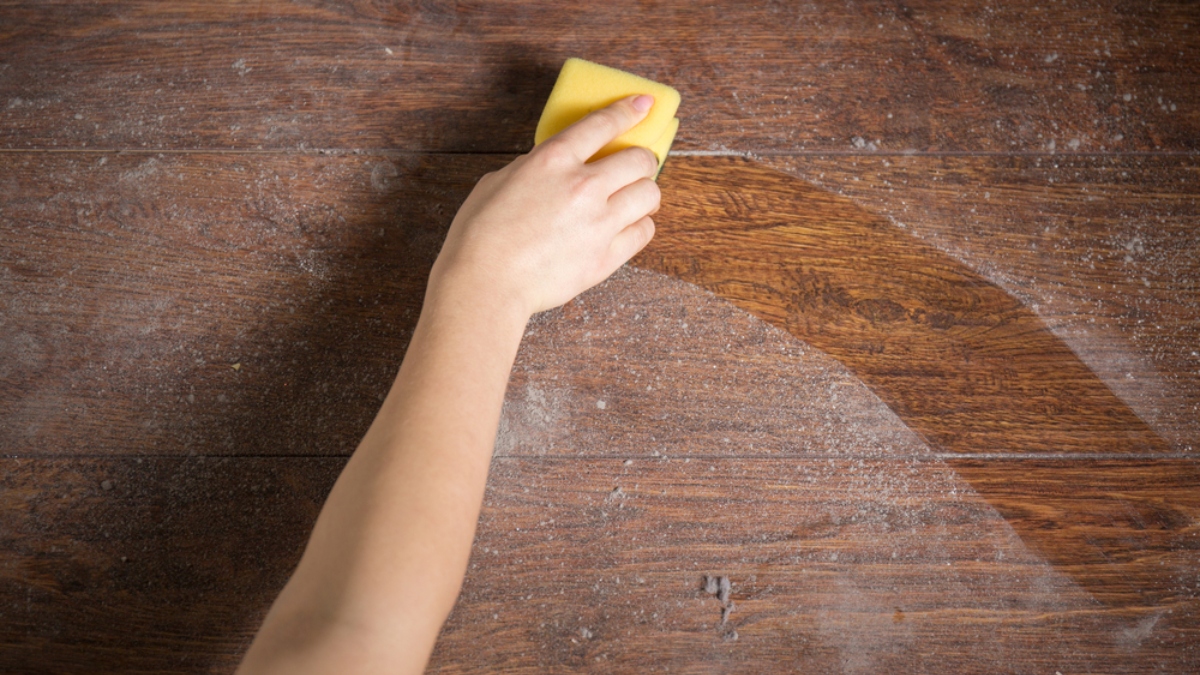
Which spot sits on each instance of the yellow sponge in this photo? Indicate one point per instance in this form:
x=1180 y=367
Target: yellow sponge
x=663 y=144
x=584 y=86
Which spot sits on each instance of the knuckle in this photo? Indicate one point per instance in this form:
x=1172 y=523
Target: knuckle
x=584 y=185
x=554 y=153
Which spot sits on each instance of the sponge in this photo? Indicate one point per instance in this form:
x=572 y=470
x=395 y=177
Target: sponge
x=583 y=87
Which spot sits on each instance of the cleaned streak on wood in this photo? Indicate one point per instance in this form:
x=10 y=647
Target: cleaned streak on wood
x=1103 y=249
x=960 y=361
x=164 y=272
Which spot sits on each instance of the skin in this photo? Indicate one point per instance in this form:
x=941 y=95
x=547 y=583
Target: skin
x=388 y=553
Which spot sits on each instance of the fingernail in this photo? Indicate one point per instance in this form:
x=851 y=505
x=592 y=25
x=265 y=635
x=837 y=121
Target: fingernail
x=643 y=103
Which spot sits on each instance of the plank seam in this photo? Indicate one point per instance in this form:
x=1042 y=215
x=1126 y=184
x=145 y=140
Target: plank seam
x=743 y=154
x=940 y=456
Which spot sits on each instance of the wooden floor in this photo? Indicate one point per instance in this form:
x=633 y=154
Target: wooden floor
x=913 y=361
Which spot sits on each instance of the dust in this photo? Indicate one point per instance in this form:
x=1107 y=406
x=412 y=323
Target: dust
x=1134 y=636
x=125 y=295
x=645 y=356
x=532 y=420
x=726 y=444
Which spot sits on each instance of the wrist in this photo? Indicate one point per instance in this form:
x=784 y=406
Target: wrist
x=477 y=294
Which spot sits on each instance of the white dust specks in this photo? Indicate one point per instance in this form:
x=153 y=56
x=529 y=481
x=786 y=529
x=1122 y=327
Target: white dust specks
x=141 y=172
x=1135 y=635
x=382 y=175
x=861 y=143
x=797 y=472
x=533 y=419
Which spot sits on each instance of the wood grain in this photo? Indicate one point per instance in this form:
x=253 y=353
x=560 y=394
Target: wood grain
x=172 y=565
x=131 y=348
x=450 y=76
x=140 y=282
x=960 y=361
x=883 y=303
x=1102 y=249
x=137 y=280
x=192 y=340
x=1088 y=506
x=161 y=304
x=827 y=576
x=147 y=565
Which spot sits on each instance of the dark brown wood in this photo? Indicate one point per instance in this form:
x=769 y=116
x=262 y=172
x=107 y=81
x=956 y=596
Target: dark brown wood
x=147 y=564
x=1136 y=518
x=141 y=281
x=213 y=304
x=836 y=564
x=964 y=364
x=831 y=570
x=948 y=424
x=139 y=297
x=472 y=76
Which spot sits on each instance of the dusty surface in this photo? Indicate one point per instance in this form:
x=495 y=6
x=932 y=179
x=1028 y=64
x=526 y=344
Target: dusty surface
x=848 y=545
x=216 y=223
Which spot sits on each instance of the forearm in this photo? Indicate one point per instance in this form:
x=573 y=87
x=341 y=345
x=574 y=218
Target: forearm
x=391 y=545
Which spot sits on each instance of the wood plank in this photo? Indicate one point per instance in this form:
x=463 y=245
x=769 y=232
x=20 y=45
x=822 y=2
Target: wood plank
x=644 y=368
x=147 y=565
x=963 y=363
x=213 y=304
x=836 y=564
x=651 y=367
x=1135 y=517
x=1104 y=250
x=471 y=76
x=135 y=283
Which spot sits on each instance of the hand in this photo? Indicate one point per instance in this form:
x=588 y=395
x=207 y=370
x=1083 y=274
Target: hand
x=549 y=225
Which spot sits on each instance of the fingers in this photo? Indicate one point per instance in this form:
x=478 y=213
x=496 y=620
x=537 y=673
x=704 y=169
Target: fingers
x=587 y=136
x=633 y=202
x=628 y=242
x=626 y=167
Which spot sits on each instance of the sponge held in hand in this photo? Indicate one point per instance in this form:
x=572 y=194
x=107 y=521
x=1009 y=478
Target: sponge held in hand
x=583 y=87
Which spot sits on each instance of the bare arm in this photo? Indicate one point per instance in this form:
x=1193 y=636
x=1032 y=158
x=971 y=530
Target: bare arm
x=389 y=550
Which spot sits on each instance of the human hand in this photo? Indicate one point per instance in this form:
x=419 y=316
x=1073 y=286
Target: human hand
x=549 y=225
